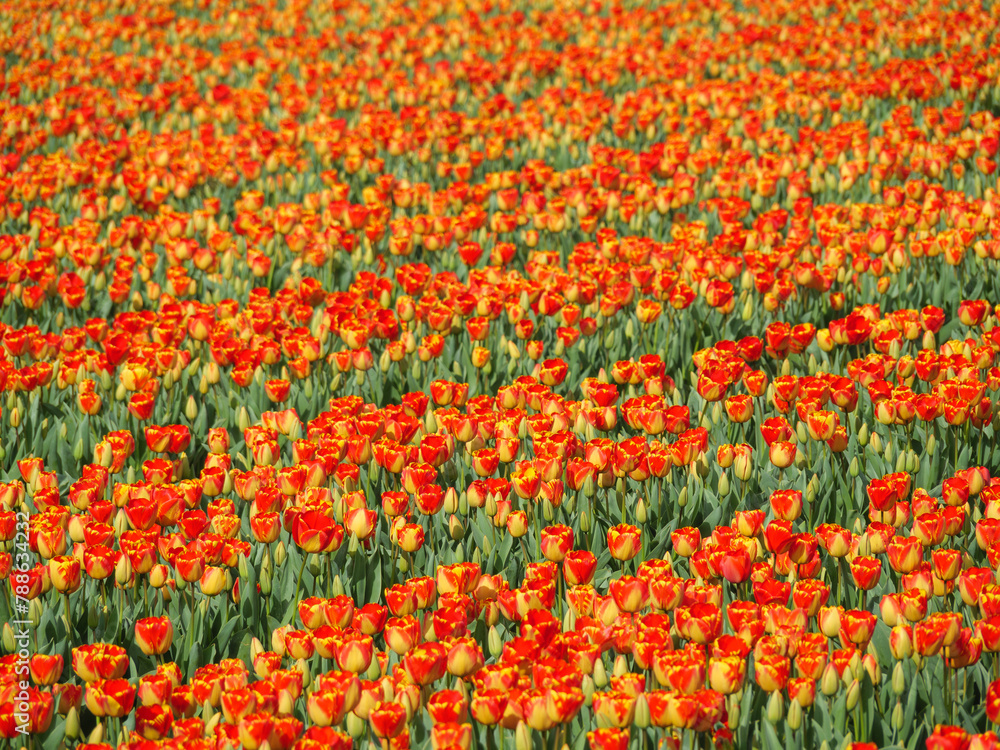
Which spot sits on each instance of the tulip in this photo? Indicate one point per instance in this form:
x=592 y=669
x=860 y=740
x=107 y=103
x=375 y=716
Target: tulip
x=781 y=454
x=726 y=674
x=154 y=635
x=624 y=541
x=686 y=541
x=387 y=720
x=771 y=672
x=212 y=581
x=45 y=669
x=866 y=572
x=556 y=542
x=65 y=574
x=112 y=698
x=786 y=504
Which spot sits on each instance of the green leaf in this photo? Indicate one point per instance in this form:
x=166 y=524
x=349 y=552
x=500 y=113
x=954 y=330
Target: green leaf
x=193 y=660
x=770 y=739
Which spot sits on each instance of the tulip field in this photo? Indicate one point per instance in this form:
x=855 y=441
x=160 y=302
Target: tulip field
x=499 y=375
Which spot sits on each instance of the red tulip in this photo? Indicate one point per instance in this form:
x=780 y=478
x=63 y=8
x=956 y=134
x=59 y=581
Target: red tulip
x=154 y=635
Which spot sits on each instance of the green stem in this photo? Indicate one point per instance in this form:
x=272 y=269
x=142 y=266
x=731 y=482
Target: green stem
x=535 y=506
x=69 y=624
x=840 y=581
x=191 y=622
x=524 y=550
x=298 y=582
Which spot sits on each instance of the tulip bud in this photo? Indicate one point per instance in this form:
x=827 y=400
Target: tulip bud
x=8 y=638
x=338 y=586
x=930 y=445
x=35 y=608
x=123 y=571
x=870 y=664
x=303 y=666
x=641 y=513
x=853 y=694
x=897 y=716
x=191 y=409
x=451 y=494
x=620 y=667
x=355 y=725
x=829 y=682
x=863 y=435
x=794 y=717
x=855 y=468
x=522 y=736
x=585 y=522
x=775 y=707
x=642 y=717
x=716 y=413
x=600 y=675
x=97 y=734
x=876 y=442
x=733 y=707
x=588 y=689
x=800 y=460
x=494 y=643
x=682 y=497
x=243 y=419
x=120 y=523
x=723 y=485
x=801 y=432
x=72 y=727
x=455 y=528
x=865 y=545
x=265 y=582
x=548 y=512
x=256 y=648
x=898 y=679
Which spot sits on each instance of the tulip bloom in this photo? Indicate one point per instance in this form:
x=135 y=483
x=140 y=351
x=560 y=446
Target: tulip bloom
x=624 y=541
x=866 y=572
x=786 y=504
x=556 y=542
x=154 y=635
x=111 y=698
x=426 y=663
x=781 y=454
x=387 y=719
